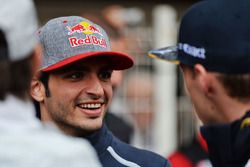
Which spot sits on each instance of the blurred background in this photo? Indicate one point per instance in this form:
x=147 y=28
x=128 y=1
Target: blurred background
x=149 y=103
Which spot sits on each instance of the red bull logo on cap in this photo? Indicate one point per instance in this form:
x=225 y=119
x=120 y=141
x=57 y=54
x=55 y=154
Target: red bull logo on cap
x=90 y=31
x=83 y=27
x=89 y=40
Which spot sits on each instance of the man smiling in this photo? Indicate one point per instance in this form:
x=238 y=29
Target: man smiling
x=86 y=86
x=75 y=90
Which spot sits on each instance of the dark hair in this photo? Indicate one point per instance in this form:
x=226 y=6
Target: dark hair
x=15 y=76
x=237 y=86
x=21 y=75
x=44 y=78
x=4 y=67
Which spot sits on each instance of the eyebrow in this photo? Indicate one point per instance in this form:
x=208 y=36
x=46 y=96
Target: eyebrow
x=79 y=67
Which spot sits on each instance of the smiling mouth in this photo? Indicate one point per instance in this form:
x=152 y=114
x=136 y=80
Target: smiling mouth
x=91 y=106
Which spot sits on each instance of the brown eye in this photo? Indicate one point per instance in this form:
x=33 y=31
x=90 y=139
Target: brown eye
x=106 y=74
x=75 y=75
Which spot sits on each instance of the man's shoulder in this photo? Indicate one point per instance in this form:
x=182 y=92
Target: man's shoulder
x=140 y=156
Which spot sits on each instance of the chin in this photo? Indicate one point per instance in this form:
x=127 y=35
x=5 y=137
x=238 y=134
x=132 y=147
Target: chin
x=92 y=125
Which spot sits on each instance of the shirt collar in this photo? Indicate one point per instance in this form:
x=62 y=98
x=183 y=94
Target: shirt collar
x=100 y=139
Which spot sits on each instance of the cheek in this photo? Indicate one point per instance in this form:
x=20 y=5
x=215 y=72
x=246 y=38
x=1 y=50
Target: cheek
x=63 y=90
x=61 y=100
x=62 y=97
x=108 y=92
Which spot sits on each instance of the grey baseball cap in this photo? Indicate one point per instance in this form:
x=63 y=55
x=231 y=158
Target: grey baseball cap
x=18 y=22
x=68 y=39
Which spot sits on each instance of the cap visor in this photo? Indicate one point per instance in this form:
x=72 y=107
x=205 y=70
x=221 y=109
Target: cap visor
x=117 y=61
x=169 y=54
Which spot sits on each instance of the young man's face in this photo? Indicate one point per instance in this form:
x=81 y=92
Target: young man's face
x=79 y=96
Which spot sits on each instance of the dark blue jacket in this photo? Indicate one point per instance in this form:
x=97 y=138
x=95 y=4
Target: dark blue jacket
x=229 y=144
x=114 y=153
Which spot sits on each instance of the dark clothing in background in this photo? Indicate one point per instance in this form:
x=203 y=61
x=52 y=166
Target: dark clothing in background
x=229 y=144
x=120 y=128
x=193 y=154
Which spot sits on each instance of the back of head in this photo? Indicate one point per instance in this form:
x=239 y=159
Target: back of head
x=215 y=34
x=18 y=24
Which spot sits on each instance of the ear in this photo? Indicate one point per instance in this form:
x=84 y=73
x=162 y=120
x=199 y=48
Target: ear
x=204 y=79
x=37 y=90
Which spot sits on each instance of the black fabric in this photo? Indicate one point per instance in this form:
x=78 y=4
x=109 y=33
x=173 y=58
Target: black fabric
x=121 y=129
x=194 y=151
x=228 y=144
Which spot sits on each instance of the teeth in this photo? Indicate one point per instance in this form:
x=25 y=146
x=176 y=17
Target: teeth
x=90 y=106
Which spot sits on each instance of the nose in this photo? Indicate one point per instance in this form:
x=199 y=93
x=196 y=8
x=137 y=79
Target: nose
x=95 y=89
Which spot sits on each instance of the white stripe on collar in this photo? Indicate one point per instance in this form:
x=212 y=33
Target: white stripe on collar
x=120 y=159
x=248 y=163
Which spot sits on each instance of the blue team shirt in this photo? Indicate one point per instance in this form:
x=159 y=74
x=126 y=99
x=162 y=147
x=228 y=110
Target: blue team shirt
x=114 y=153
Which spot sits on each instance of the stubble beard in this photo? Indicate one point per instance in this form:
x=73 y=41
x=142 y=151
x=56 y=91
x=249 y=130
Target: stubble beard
x=69 y=126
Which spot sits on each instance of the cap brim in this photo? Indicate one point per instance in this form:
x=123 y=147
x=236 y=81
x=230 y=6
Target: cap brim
x=169 y=54
x=117 y=61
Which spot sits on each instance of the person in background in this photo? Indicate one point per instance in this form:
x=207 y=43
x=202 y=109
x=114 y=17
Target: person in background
x=75 y=89
x=140 y=95
x=213 y=52
x=24 y=140
x=120 y=127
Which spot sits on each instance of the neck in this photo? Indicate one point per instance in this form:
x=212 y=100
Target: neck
x=232 y=109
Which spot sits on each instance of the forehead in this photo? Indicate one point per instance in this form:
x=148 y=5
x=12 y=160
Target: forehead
x=97 y=63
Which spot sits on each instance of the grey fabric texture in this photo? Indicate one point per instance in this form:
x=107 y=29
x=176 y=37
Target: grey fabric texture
x=71 y=38
x=19 y=27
